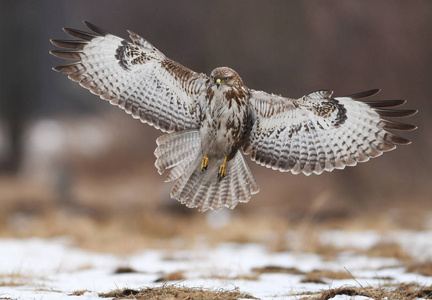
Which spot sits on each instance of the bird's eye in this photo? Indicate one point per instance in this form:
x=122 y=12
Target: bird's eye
x=225 y=79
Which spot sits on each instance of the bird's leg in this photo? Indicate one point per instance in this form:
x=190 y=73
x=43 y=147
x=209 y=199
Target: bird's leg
x=204 y=163
x=222 y=169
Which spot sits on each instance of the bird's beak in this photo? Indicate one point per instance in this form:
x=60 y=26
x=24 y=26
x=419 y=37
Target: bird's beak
x=218 y=82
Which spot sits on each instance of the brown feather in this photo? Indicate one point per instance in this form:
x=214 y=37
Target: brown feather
x=71 y=55
x=95 y=28
x=69 y=44
x=385 y=103
x=79 y=34
x=387 y=124
x=69 y=68
x=364 y=94
x=395 y=113
x=395 y=139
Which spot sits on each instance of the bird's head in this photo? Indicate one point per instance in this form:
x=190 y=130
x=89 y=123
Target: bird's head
x=225 y=76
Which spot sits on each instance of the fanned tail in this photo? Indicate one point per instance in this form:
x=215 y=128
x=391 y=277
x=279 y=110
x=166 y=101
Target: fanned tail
x=181 y=153
x=204 y=190
x=176 y=151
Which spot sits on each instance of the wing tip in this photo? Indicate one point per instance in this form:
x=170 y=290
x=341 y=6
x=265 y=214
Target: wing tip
x=79 y=34
x=396 y=113
x=395 y=139
x=69 y=44
x=57 y=68
x=66 y=54
x=365 y=94
x=385 y=103
x=391 y=125
x=95 y=28
x=413 y=112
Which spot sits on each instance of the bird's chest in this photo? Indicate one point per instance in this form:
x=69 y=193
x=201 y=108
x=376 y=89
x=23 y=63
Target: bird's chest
x=222 y=125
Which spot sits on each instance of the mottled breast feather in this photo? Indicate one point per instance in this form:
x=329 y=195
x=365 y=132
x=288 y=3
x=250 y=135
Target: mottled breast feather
x=319 y=133
x=135 y=76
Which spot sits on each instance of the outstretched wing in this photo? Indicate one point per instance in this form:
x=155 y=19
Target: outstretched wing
x=319 y=133
x=135 y=76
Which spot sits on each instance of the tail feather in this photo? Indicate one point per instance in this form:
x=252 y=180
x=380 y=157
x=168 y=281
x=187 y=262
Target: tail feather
x=234 y=192
x=249 y=184
x=200 y=197
x=196 y=192
x=176 y=150
x=173 y=158
x=224 y=194
x=199 y=189
x=180 y=153
x=189 y=178
x=176 y=172
x=204 y=190
x=213 y=199
x=244 y=188
x=176 y=141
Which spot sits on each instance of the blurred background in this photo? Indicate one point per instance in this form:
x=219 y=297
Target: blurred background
x=70 y=161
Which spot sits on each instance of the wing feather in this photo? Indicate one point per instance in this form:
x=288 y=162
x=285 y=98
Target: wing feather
x=135 y=76
x=319 y=133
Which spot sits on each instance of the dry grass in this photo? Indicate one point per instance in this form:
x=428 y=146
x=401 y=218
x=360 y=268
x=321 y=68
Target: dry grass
x=315 y=276
x=252 y=277
x=245 y=277
x=123 y=231
x=51 y=290
x=11 y=283
x=174 y=276
x=14 y=279
x=125 y=270
x=386 y=249
x=423 y=268
x=404 y=291
x=171 y=292
x=327 y=252
x=79 y=293
x=318 y=276
x=277 y=269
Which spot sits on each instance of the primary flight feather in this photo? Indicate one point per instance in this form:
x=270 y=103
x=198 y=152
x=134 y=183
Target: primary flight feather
x=212 y=121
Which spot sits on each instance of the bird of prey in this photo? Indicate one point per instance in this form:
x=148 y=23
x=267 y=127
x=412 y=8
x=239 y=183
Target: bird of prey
x=211 y=122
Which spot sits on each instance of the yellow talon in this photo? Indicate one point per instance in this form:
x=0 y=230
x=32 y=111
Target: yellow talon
x=204 y=163
x=222 y=169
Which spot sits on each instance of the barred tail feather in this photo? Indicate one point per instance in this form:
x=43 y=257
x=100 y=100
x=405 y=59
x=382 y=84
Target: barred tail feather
x=176 y=151
x=204 y=190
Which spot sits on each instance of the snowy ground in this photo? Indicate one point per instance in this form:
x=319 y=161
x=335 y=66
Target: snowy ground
x=51 y=269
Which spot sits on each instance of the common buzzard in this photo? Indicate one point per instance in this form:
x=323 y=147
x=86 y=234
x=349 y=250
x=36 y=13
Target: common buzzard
x=213 y=121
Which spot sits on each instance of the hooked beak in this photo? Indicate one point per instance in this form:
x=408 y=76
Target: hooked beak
x=218 y=82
